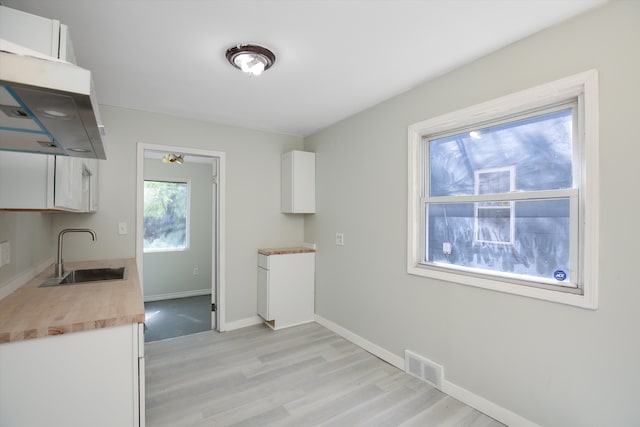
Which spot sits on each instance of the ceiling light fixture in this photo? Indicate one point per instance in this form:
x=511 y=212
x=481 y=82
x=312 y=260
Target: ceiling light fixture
x=251 y=58
x=173 y=158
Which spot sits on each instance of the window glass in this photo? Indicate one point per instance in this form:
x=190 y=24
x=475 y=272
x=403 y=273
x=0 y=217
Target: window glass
x=165 y=215
x=540 y=249
x=539 y=148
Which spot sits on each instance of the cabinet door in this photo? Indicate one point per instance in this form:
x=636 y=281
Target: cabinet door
x=68 y=192
x=298 y=182
x=90 y=184
x=291 y=288
x=31 y=31
x=23 y=180
x=263 y=293
x=304 y=182
x=73 y=380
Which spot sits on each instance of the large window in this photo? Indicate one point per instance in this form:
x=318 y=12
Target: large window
x=503 y=195
x=166 y=216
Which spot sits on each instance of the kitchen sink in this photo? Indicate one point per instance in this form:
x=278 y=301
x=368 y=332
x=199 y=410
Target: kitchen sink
x=90 y=275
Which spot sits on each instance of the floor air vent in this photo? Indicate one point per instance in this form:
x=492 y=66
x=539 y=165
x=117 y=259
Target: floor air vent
x=423 y=368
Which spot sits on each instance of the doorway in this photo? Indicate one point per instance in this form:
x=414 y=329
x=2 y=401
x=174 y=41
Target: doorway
x=180 y=273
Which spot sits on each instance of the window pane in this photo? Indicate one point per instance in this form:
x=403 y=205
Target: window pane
x=538 y=149
x=494 y=182
x=493 y=224
x=540 y=247
x=165 y=215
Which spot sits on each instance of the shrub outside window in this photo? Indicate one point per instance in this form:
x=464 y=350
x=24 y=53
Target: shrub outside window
x=503 y=195
x=166 y=216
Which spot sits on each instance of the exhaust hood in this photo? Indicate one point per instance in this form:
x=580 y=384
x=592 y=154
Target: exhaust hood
x=47 y=105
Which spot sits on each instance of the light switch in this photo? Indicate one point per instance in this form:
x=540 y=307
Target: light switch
x=122 y=228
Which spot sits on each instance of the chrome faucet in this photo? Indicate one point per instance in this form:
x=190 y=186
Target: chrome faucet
x=59 y=269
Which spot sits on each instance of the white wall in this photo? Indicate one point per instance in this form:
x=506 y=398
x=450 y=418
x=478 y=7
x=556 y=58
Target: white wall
x=253 y=217
x=169 y=274
x=553 y=364
x=32 y=244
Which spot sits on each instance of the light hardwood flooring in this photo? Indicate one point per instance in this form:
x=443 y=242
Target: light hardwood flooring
x=300 y=376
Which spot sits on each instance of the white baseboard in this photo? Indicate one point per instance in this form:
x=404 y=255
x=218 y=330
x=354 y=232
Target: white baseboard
x=243 y=323
x=24 y=277
x=485 y=406
x=475 y=401
x=174 y=295
x=372 y=348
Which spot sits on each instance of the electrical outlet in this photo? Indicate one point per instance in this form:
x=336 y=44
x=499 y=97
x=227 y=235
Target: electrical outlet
x=195 y=271
x=339 y=239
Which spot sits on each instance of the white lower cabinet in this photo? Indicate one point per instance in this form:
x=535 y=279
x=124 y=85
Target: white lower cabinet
x=91 y=378
x=286 y=288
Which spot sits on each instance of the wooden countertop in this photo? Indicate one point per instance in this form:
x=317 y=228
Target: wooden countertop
x=283 y=251
x=34 y=312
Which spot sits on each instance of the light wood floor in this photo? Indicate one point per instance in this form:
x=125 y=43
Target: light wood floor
x=300 y=376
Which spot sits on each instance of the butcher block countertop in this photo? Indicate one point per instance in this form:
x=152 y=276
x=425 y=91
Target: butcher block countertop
x=34 y=312
x=284 y=251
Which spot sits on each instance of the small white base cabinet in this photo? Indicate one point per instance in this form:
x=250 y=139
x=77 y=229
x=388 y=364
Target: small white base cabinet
x=286 y=286
x=90 y=378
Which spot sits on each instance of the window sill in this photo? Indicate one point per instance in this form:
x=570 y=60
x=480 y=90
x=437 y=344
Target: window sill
x=587 y=300
x=164 y=250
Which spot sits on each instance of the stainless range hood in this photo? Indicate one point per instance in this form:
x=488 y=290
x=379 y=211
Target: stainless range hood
x=47 y=106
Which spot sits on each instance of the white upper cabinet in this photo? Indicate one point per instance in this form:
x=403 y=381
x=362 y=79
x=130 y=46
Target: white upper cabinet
x=47 y=36
x=47 y=183
x=298 y=181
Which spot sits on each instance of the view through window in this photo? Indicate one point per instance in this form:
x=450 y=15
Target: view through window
x=166 y=213
x=514 y=182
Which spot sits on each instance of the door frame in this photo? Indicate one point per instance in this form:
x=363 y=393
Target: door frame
x=218 y=218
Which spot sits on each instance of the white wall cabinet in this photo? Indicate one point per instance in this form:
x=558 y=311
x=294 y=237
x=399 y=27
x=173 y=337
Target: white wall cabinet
x=47 y=36
x=298 y=182
x=286 y=288
x=40 y=182
x=91 y=378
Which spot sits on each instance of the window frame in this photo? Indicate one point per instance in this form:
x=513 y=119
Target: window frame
x=187 y=246
x=584 y=88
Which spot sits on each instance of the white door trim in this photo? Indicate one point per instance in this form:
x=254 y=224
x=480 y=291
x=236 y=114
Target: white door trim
x=219 y=225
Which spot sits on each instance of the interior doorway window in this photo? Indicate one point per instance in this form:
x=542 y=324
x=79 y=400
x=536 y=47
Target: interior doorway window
x=166 y=215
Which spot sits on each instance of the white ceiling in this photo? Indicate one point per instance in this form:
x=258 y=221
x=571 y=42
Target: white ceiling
x=334 y=57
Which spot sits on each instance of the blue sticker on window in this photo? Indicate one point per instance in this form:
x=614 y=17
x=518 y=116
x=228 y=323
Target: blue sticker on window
x=559 y=275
